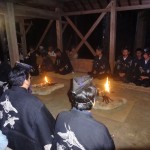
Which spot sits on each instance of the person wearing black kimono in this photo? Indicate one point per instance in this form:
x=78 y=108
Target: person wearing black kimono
x=31 y=59
x=77 y=129
x=144 y=70
x=62 y=63
x=135 y=65
x=24 y=119
x=123 y=65
x=101 y=67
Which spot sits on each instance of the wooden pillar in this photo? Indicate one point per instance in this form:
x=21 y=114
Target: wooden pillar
x=3 y=37
x=11 y=34
x=23 y=37
x=140 y=30
x=112 y=35
x=59 y=31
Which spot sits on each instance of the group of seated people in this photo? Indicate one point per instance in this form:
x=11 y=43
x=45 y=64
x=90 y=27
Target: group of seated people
x=136 y=70
x=26 y=124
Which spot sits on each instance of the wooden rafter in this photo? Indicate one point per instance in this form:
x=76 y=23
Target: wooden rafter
x=82 y=4
x=26 y=11
x=99 y=3
x=64 y=27
x=92 y=29
x=91 y=5
x=28 y=28
x=80 y=35
x=44 y=34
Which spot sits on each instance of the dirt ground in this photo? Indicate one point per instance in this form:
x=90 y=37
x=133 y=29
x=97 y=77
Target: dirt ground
x=129 y=124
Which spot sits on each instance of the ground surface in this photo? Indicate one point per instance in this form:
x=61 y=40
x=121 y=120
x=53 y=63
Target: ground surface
x=129 y=124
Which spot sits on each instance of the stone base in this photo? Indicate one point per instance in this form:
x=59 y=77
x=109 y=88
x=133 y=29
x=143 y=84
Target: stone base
x=46 y=90
x=115 y=103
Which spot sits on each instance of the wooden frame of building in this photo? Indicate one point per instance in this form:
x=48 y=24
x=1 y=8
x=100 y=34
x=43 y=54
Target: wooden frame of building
x=54 y=11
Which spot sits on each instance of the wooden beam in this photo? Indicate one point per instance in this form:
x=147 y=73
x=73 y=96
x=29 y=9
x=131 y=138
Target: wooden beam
x=44 y=34
x=59 y=31
x=28 y=28
x=64 y=27
x=112 y=35
x=92 y=28
x=23 y=37
x=11 y=34
x=96 y=11
x=26 y=11
x=136 y=7
x=80 y=35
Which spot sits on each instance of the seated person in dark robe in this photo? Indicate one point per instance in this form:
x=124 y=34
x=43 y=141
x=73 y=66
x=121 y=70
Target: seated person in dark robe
x=62 y=63
x=31 y=59
x=144 y=70
x=5 y=69
x=135 y=65
x=77 y=129
x=101 y=67
x=123 y=65
x=26 y=121
x=47 y=64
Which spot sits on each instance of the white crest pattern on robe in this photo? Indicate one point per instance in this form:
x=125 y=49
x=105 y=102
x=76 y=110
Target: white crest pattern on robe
x=60 y=147
x=8 y=106
x=70 y=138
x=11 y=121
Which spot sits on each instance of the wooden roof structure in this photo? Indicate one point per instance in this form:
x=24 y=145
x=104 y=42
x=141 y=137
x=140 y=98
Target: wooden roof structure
x=54 y=10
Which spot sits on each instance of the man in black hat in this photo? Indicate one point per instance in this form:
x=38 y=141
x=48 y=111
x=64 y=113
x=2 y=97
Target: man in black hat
x=77 y=129
x=144 y=70
x=123 y=65
x=62 y=63
x=101 y=67
x=25 y=121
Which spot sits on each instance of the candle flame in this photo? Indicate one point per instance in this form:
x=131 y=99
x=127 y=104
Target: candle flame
x=107 y=85
x=46 y=80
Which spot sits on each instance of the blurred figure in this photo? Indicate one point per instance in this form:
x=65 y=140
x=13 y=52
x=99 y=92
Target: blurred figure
x=144 y=70
x=123 y=65
x=5 y=69
x=101 y=68
x=3 y=141
x=31 y=59
x=47 y=64
x=77 y=129
x=135 y=65
x=62 y=64
x=51 y=52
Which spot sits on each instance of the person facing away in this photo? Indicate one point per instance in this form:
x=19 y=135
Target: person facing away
x=62 y=63
x=31 y=59
x=101 y=67
x=76 y=129
x=135 y=65
x=144 y=70
x=123 y=66
x=24 y=119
